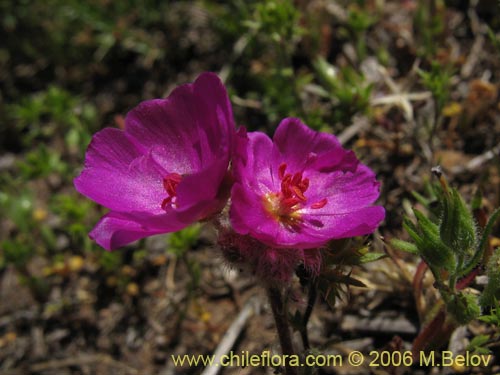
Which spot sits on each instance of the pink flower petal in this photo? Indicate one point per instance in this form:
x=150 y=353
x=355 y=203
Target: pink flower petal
x=189 y=136
x=301 y=190
x=118 y=176
x=115 y=230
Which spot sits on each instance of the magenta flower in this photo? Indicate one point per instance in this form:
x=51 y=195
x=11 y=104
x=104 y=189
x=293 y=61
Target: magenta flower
x=301 y=189
x=167 y=169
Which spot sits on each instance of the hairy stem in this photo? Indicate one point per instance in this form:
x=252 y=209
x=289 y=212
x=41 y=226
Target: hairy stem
x=307 y=315
x=282 y=326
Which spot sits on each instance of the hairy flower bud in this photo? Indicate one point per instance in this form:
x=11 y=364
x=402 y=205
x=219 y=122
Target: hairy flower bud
x=463 y=307
x=429 y=244
x=457 y=228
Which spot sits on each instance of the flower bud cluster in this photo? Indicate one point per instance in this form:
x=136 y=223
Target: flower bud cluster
x=447 y=243
x=450 y=244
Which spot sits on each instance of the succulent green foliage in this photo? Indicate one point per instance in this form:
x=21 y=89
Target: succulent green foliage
x=437 y=80
x=47 y=113
x=278 y=19
x=429 y=26
x=271 y=33
x=346 y=88
x=183 y=240
x=18 y=208
x=358 y=22
x=15 y=252
x=75 y=210
x=179 y=243
x=111 y=261
x=41 y=162
x=73 y=30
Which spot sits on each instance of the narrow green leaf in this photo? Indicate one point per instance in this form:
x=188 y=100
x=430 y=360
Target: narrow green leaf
x=463 y=307
x=412 y=230
x=404 y=246
x=421 y=199
x=487 y=229
x=427 y=226
x=371 y=257
x=491 y=292
x=348 y=280
x=479 y=340
x=478 y=255
x=477 y=200
x=431 y=247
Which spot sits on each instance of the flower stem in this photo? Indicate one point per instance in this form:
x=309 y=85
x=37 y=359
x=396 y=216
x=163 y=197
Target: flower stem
x=307 y=315
x=280 y=318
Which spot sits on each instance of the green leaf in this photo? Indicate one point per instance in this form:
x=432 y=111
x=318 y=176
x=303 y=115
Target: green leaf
x=330 y=291
x=489 y=319
x=404 y=246
x=412 y=230
x=16 y=252
x=487 y=229
x=477 y=200
x=425 y=224
x=479 y=340
x=111 y=261
x=421 y=199
x=334 y=276
x=463 y=307
x=327 y=72
x=457 y=228
x=491 y=292
x=371 y=257
x=477 y=344
x=478 y=255
x=432 y=249
x=183 y=240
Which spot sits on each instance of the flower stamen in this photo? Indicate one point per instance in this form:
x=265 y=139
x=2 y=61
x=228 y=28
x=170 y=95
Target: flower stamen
x=170 y=185
x=320 y=204
x=284 y=205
